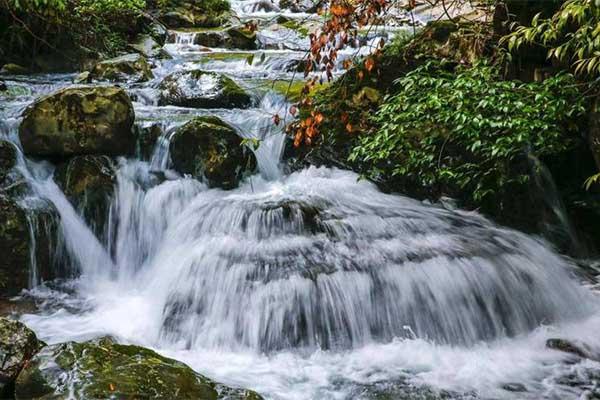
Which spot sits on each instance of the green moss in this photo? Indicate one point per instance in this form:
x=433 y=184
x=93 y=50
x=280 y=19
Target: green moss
x=296 y=26
x=104 y=369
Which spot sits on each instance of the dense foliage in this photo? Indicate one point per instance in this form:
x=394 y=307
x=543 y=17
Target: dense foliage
x=468 y=129
x=572 y=35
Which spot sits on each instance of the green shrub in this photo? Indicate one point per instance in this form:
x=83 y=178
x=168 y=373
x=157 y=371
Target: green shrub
x=464 y=131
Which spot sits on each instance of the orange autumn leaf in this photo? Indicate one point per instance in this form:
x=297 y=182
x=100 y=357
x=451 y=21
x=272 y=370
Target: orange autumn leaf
x=369 y=64
x=319 y=118
x=111 y=387
x=349 y=127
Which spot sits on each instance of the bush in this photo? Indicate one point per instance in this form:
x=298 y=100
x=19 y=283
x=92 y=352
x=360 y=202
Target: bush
x=464 y=132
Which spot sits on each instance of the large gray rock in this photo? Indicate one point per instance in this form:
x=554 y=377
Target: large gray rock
x=18 y=345
x=103 y=369
x=208 y=148
x=200 y=89
x=128 y=68
x=79 y=120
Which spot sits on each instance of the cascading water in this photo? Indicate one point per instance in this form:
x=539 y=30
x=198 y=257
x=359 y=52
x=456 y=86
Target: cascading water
x=312 y=285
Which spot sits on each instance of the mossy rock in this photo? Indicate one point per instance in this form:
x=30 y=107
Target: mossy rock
x=18 y=344
x=77 y=121
x=88 y=182
x=16 y=242
x=206 y=147
x=102 y=369
x=200 y=89
x=195 y=14
x=232 y=38
x=128 y=68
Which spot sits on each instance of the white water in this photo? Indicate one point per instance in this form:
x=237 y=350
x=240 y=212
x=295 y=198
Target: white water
x=313 y=285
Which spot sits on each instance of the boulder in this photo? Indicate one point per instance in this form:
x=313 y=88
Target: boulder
x=200 y=89
x=148 y=47
x=232 y=38
x=208 y=148
x=77 y=121
x=17 y=269
x=83 y=78
x=18 y=345
x=88 y=182
x=128 y=68
x=103 y=369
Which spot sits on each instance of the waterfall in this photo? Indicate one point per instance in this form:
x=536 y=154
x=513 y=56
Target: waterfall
x=310 y=285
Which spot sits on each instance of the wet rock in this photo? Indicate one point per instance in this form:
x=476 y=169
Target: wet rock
x=206 y=147
x=3 y=86
x=102 y=369
x=8 y=160
x=265 y=6
x=200 y=89
x=148 y=47
x=158 y=32
x=77 y=121
x=242 y=38
x=566 y=346
x=88 y=182
x=18 y=344
x=233 y=38
x=16 y=243
x=128 y=68
x=13 y=69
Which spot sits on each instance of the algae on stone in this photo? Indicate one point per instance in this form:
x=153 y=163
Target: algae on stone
x=79 y=120
x=206 y=147
x=102 y=369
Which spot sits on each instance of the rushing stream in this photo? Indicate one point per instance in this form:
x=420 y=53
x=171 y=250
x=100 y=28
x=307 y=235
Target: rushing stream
x=312 y=285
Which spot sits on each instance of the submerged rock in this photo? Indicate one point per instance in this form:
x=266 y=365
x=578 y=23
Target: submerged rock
x=128 y=68
x=18 y=344
x=17 y=243
x=200 y=89
x=79 y=120
x=566 y=346
x=206 y=147
x=102 y=369
x=89 y=182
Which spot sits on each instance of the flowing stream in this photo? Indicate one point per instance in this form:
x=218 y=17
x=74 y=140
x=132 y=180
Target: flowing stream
x=312 y=285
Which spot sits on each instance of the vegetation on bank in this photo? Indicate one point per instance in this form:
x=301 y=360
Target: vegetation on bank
x=467 y=109
x=61 y=34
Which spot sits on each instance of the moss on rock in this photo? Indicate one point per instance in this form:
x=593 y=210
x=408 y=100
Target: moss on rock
x=128 y=68
x=79 y=120
x=102 y=369
x=206 y=147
